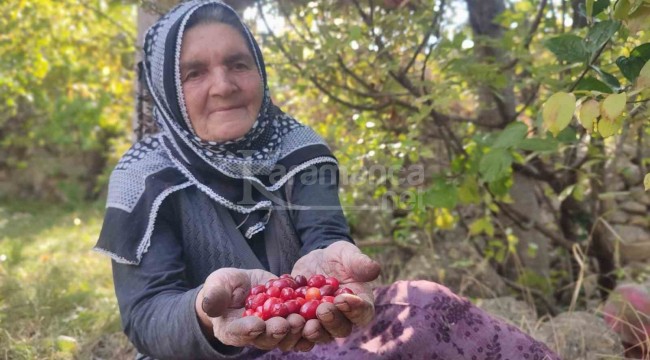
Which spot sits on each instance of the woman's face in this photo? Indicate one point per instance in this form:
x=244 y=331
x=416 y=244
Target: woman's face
x=221 y=84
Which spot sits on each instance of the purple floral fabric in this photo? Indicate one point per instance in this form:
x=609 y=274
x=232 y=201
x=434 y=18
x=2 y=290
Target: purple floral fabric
x=425 y=320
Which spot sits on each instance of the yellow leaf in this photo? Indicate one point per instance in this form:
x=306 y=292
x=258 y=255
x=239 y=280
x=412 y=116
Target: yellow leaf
x=613 y=105
x=558 y=111
x=646 y=182
x=589 y=111
x=643 y=81
x=607 y=128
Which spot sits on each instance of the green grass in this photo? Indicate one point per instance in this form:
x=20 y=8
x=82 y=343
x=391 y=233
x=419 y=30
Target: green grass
x=56 y=294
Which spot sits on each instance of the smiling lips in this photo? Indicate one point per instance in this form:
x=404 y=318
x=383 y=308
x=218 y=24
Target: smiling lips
x=225 y=108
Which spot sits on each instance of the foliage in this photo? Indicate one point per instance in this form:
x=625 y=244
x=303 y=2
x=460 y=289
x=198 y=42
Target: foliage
x=56 y=294
x=400 y=84
x=65 y=89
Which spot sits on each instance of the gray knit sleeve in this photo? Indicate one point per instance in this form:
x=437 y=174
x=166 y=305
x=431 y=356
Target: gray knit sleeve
x=157 y=304
x=319 y=219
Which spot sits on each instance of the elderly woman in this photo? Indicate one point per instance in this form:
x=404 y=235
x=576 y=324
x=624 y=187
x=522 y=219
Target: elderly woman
x=233 y=192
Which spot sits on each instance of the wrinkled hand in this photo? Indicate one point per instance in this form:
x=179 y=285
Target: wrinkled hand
x=219 y=306
x=354 y=270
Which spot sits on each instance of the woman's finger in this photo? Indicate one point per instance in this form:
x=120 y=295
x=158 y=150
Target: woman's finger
x=315 y=332
x=358 y=310
x=224 y=288
x=333 y=320
x=296 y=324
x=304 y=345
x=238 y=332
x=277 y=329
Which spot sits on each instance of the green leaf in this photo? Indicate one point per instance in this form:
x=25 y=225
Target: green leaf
x=441 y=195
x=630 y=67
x=568 y=136
x=589 y=5
x=468 y=192
x=355 y=32
x=495 y=164
x=600 y=6
x=642 y=51
x=482 y=225
x=646 y=182
x=511 y=135
x=590 y=83
x=568 y=47
x=558 y=111
x=621 y=9
x=608 y=78
x=539 y=145
x=600 y=34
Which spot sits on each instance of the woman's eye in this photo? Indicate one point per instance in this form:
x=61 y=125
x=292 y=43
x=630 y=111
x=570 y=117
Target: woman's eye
x=241 y=66
x=192 y=75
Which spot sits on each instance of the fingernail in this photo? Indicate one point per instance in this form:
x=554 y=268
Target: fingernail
x=326 y=316
x=279 y=335
x=343 y=306
x=204 y=304
x=255 y=333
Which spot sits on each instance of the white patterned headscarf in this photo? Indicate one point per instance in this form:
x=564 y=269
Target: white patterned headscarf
x=242 y=175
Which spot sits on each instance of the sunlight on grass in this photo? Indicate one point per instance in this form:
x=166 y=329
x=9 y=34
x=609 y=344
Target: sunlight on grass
x=56 y=294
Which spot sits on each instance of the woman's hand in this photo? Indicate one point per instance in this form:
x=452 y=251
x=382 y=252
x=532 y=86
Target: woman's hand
x=354 y=270
x=219 y=306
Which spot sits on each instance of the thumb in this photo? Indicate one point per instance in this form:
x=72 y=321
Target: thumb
x=363 y=268
x=224 y=289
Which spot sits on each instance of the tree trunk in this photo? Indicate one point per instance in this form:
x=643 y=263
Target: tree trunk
x=497 y=105
x=497 y=110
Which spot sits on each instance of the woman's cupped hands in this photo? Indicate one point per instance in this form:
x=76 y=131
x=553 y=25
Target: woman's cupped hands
x=224 y=292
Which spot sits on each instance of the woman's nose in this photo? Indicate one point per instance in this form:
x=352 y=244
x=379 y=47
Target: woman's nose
x=222 y=84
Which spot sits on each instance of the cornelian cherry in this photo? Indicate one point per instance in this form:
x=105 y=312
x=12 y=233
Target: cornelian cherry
x=292 y=295
x=313 y=294
x=308 y=310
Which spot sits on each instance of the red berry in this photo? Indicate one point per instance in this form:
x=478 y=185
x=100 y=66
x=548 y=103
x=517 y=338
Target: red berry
x=285 y=276
x=316 y=281
x=308 y=310
x=248 y=312
x=273 y=291
x=269 y=283
x=301 y=291
x=268 y=305
x=301 y=301
x=282 y=283
x=258 y=289
x=279 y=309
x=333 y=282
x=301 y=280
x=287 y=294
x=258 y=314
x=313 y=293
x=329 y=299
x=257 y=300
x=293 y=306
x=327 y=290
x=343 y=290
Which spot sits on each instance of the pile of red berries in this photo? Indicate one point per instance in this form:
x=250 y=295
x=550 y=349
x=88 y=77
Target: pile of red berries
x=292 y=295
